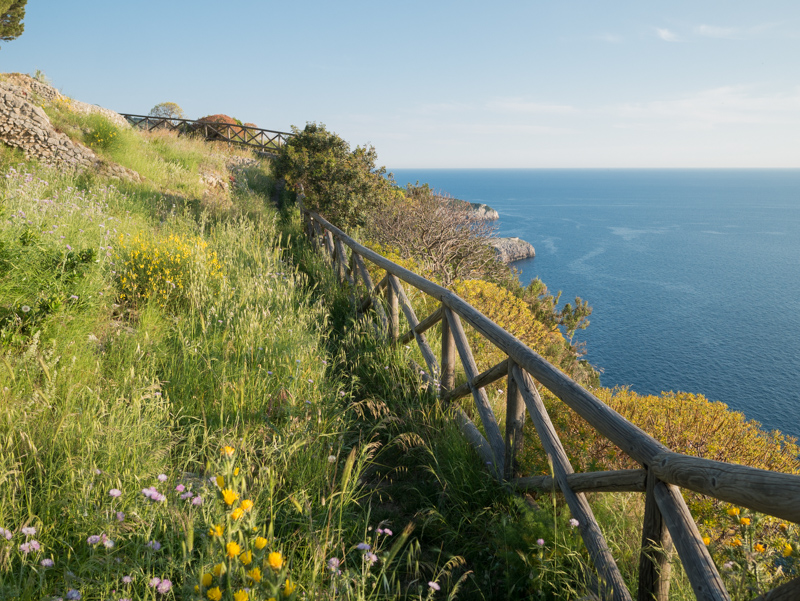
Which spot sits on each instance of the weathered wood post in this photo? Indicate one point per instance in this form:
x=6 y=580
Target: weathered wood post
x=448 y=377
x=515 y=421
x=655 y=556
x=394 y=314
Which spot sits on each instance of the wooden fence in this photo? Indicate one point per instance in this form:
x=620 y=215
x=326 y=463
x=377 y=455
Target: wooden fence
x=668 y=525
x=265 y=140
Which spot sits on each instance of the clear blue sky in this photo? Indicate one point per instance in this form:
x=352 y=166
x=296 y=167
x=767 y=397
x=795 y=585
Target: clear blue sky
x=572 y=83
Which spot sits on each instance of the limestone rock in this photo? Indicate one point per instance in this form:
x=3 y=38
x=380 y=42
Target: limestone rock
x=512 y=249
x=484 y=212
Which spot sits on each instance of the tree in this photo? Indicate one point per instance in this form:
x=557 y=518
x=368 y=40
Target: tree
x=340 y=184
x=168 y=110
x=11 y=14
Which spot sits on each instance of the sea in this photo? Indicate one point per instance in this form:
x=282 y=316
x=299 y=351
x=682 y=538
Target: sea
x=693 y=275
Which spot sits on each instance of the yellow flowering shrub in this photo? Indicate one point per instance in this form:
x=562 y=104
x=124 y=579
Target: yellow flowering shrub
x=163 y=270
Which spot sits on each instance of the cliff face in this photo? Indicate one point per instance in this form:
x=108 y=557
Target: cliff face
x=484 y=212
x=512 y=249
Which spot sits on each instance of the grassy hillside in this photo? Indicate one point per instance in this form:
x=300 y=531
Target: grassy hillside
x=189 y=409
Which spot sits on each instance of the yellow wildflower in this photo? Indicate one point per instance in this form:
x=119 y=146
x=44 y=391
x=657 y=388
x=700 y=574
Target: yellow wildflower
x=220 y=481
x=230 y=496
x=228 y=451
x=706 y=540
x=261 y=542
x=744 y=521
x=233 y=549
x=240 y=595
x=214 y=594
x=237 y=513
x=736 y=542
x=196 y=588
x=255 y=574
x=206 y=580
x=246 y=557
x=787 y=550
x=218 y=569
x=216 y=530
x=236 y=471
x=783 y=527
x=247 y=505
x=733 y=511
x=288 y=588
x=275 y=560
x=759 y=548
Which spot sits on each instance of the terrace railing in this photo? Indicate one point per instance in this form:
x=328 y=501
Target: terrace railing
x=265 y=140
x=667 y=523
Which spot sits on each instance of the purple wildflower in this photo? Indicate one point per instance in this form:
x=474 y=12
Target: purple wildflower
x=573 y=523
x=154 y=545
x=93 y=539
x=6 y=533
x=362 y=546
x=115 y=492
x=73 y=595
x=28 y=531
x=198 y=500
x=108 y=544
x=540 y=542
x=384 y=531
x=434 y=586
x=333 y=564
x=186 y=495
x=47 y=563
x=370 y=557
x=162 y=477
x=164 y=586
x=120 y=516
x=180 y=488
x=154 y=582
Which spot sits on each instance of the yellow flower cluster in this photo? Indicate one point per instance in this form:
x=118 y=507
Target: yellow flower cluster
x=163 y=269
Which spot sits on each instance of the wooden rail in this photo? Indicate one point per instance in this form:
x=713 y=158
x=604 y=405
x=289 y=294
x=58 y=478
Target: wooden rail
x=265 y=140
x=667 y=523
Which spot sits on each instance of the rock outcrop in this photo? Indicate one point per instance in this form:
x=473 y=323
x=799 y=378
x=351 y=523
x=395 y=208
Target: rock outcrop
x=484 y=212
x=512 y=249
x=25 y=125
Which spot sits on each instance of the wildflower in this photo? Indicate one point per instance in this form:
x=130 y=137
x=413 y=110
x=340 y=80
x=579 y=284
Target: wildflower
x=733 y=511
x=275 y=560
x=573 y=523
x=218 y=569
x=736 y=542
x=261 y=542
x=120 y=516
x=73 y=595
x=25 y=308
x=115 y=492
x=186 y=495
x=164 y=586
x=108 y=544
x=198 y=500
x=706 y=540
x=93 y=539
x=206 y=579
x=362 y=546
x=247 y=505
x=370 y=557
x=434 y=586
x=236 y=471
x=783 y=527
x=331 y=458
x=180 y=488
x=162 y=477
x=228 y=451
x=540 y=542
x=6 y=534
x=333 y=565
x=230 y=496
x=246 y=558
x=237 y=513
x=28 y=531
x=127 y=579
x=219 y=480
x=759 y=548
x=240 y=595
x=384 y=531
x=154 y=545
x=787 y=550
x=154 y=582
x=214 y=594
x=744 y=521
x=233 y=549
x=288 y=587
x=216 y=530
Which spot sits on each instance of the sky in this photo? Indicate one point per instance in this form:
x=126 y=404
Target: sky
x=450 y=84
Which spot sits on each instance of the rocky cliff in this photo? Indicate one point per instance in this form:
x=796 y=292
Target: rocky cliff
x=512 y=249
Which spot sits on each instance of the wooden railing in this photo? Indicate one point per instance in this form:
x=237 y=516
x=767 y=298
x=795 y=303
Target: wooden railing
x=667 y=523
x=265 y=140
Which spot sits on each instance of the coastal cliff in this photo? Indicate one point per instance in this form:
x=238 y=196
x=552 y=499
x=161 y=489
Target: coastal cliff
x=512 y=249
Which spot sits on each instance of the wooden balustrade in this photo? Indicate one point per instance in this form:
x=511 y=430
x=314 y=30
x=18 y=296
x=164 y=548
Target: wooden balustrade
x=667 y=523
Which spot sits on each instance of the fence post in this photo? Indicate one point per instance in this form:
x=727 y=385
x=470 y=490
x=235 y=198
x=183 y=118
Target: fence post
x=515 y=420
x=655 y=556
x=394 y=313
x=448 y=377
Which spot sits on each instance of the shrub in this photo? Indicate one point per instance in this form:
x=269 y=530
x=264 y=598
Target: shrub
x=163 y=270
x=102 y=133
x=221 y=132
x=338 y=183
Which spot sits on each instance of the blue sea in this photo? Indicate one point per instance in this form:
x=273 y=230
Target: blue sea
x=693 y=275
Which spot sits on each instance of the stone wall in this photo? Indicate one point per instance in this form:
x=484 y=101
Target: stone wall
x=24 y=125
